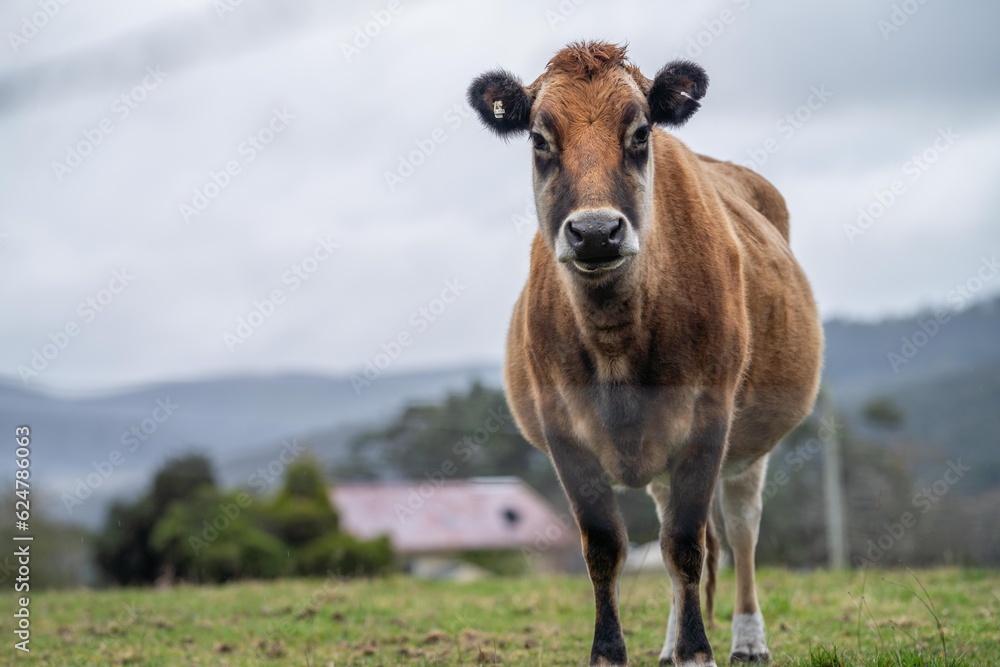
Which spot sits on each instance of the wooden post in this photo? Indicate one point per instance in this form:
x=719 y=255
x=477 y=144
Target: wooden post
x=833 y=491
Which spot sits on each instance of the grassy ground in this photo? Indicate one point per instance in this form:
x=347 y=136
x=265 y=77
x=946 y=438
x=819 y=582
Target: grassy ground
x=813 y=620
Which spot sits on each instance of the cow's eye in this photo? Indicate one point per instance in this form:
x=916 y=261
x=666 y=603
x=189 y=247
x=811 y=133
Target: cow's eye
x=641 y=136
x=538 y=143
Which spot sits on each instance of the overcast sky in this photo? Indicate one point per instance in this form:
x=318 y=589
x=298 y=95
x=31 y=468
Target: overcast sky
x=287 y=122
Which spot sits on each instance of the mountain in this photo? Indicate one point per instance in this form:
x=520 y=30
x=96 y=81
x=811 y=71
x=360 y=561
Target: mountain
x=947 y=387
x=942 y=372
x=863 y=358
x=99 y=448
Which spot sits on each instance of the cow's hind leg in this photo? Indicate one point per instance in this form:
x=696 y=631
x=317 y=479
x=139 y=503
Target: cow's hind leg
x=605 y=544
x=742 y=503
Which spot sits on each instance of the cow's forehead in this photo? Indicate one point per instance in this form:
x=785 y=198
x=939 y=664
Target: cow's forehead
x=562 y=101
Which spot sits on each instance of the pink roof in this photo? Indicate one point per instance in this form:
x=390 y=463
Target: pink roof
x=456 y=515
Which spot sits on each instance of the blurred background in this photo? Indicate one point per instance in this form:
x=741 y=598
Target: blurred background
x=257 y=262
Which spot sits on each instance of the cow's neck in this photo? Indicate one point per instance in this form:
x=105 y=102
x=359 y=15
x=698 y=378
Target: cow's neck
x=610 y=318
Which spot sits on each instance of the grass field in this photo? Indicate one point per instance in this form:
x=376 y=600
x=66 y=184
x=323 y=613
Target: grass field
x=813 y=619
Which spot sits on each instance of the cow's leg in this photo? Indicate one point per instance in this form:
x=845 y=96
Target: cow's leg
x=661 y=496
x=605 y=545
x=741 y=509
x=693 y=476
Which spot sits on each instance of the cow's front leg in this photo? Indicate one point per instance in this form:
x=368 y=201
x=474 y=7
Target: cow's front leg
x=602 y=533
x=693 y=476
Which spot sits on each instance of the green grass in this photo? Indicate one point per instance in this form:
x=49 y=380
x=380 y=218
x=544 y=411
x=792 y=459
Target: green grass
x=813 y=620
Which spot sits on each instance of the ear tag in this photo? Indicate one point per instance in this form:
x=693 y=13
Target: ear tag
x=697 y=104
x=498 y=110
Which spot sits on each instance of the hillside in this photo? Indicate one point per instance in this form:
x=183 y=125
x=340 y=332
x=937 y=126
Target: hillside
x=948 y=389
x=949 y=392
x=239 y=422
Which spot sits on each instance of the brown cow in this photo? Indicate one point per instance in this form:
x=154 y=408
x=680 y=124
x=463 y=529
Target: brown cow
x=666 y=337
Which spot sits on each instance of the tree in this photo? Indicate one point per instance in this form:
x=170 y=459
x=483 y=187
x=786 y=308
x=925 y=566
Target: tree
x=302 y=512
x=124 y=552
x=472 y=434
x=882 y=412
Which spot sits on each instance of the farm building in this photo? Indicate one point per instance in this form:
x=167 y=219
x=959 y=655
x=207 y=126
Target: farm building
x=433 y=523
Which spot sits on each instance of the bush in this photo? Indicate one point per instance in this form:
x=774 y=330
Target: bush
x=123 y=554
x=124 y=551
x=243 y=552
x=212 y=537
x=184 y=527
x=301 y=512
x=298 y=521
x=342 y=555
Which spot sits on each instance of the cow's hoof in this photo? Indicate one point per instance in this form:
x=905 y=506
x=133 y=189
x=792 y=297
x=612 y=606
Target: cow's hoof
x=749 y=643
x=701 y=660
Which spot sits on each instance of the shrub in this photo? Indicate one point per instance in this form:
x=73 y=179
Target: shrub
x=297 y=521
x=124 y=551
x=213 y=537
x=342 y=555
x=243 y=552
x=301 y=512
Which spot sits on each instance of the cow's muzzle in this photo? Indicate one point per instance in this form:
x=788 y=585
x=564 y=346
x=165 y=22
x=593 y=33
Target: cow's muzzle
x=596 y=240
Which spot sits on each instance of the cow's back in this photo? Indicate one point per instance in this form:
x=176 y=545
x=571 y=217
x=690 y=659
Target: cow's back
x=753 y=188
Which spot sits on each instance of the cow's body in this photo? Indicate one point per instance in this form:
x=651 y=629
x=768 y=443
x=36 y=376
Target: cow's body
x=685 y=365
x=744 y=309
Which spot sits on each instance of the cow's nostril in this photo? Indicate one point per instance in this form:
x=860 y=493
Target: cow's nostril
x=573 y=235
x=617 y=231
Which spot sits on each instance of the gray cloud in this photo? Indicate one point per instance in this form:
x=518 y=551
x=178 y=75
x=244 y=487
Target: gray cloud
x=455 y=215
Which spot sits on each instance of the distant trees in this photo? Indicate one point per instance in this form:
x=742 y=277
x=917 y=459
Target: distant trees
x=471 y=434
x=186 y=528
x=59 y=557
x=882 y=412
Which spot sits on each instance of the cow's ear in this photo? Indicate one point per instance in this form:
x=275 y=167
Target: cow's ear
x=501 y=101
x=676 y=91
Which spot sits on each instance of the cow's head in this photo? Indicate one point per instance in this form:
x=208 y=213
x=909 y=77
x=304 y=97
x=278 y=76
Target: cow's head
x=590 y=117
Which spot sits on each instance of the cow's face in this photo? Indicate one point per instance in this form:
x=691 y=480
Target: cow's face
x=589 y=119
